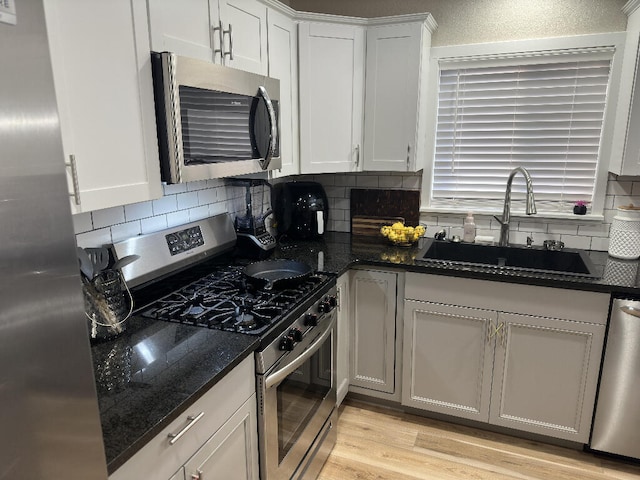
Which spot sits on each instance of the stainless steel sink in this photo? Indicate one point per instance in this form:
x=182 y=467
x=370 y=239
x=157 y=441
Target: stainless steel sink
x=517 y=259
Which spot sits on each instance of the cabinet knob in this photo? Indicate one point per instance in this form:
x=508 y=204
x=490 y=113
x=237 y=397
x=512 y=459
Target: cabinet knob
x=197 y=476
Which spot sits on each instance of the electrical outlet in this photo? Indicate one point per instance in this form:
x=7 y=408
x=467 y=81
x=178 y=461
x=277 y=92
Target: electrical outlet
x=8 y=12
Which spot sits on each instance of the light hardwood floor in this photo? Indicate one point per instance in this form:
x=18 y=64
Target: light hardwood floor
x=383 y=444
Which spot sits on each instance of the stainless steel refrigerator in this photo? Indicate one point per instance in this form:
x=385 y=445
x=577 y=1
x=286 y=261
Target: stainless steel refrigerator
x=49 y=419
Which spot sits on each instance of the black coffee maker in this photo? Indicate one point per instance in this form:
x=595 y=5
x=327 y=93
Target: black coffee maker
x=302 y=209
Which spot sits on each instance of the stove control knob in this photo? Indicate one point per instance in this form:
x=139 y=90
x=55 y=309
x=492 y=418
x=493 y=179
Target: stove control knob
x=286 y=343
x=327 y=304
x=295 y=334
x=311 y=319
x=323 y=306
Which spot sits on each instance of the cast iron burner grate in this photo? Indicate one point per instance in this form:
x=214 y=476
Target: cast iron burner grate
x=226 y=300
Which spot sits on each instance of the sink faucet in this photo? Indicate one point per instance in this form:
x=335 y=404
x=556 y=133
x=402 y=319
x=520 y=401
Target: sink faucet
x=506 y=213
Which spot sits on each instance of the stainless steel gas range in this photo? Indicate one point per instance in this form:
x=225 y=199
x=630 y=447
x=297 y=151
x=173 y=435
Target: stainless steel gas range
x=186 y=274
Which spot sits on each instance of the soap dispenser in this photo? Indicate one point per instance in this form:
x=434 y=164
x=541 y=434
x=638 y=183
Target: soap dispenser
x=469 y=233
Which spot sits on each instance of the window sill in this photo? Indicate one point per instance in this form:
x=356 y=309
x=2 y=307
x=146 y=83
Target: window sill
x=589 y=218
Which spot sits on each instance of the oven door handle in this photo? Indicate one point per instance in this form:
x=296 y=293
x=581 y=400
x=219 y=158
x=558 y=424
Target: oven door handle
x=279 y=375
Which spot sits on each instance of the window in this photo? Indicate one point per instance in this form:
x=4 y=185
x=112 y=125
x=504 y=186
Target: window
x=542 y=110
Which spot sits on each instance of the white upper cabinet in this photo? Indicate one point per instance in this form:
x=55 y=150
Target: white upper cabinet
x=331 y=96
x=185 y=28
x=229 y=32
x=338 y=111
x=102 y=76
x=244 y=35
x=397 y=67
x=625 y=147
x=283 y=65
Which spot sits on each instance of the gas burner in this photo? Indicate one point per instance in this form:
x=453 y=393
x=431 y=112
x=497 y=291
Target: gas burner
x=245 y=321
x=225 y=300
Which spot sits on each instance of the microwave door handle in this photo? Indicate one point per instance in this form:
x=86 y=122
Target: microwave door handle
x=274 y=127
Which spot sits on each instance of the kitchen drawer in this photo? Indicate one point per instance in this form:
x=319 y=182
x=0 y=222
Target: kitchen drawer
x=577 y=305
x=159 y=459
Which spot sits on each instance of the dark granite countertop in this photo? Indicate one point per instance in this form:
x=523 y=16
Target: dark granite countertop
x=337 y=252
x=155 y=370
x=152 y=372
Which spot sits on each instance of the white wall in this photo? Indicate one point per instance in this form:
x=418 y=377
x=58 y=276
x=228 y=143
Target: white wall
x=481 y=21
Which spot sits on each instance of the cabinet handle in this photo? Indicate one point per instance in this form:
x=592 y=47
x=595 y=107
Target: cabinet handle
x=197 y=475
x=357 y=155
x=408 y=157
x=220 y=31
x=230 y=32
x=192 y=421
x=74 y=177
x=496 y=331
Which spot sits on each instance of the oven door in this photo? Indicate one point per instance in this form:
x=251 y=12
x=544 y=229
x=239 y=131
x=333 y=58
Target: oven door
x=296 y=398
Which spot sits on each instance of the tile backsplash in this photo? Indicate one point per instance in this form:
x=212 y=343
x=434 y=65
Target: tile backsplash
x=192 y=201
x=180 y=204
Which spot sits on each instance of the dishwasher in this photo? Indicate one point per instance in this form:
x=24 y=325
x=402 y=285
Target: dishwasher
x=616 y=427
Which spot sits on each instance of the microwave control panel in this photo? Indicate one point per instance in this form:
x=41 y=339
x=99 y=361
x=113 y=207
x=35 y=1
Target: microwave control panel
x=184 y=240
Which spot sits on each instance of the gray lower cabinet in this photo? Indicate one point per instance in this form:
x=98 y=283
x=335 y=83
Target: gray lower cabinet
x=448 y=359
x=216 y=437
x=545 y=374
x=342 y=367
x=373 y=331
x=523 y=368
x=231 y=453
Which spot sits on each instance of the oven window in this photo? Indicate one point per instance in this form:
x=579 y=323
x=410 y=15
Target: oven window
x=299 y=396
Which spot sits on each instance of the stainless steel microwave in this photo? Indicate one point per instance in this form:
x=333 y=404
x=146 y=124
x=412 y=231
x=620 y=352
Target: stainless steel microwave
x=213 y=121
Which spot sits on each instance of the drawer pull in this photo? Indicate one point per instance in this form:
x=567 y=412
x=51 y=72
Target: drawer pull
x=192 y=421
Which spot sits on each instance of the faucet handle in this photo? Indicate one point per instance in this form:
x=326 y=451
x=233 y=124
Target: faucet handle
x=499 y=220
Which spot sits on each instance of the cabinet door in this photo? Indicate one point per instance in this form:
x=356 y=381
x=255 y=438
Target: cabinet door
x=342 y=367
x=283 y=65
x=102 y=75
x=373 y=330
x=185 y=28
x=448 y=359
x=331 y=97
x=545 y=375
x=179 y=475
x=244 y=35
x=392 y=95
x=232 y=452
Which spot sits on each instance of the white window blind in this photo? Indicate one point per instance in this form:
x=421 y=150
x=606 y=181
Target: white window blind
x=545 y=116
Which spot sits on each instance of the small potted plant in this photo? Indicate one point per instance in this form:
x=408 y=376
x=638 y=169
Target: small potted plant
x=580 y=208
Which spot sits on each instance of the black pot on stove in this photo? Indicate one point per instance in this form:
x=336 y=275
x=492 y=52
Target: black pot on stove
x=301 y=209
